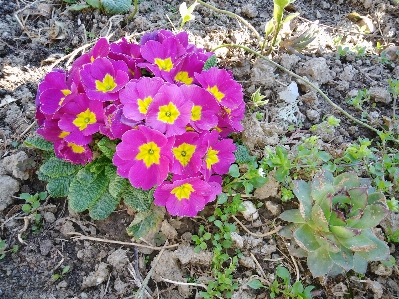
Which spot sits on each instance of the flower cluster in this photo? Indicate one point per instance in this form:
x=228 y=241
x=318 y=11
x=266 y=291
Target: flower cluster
x=170 y=116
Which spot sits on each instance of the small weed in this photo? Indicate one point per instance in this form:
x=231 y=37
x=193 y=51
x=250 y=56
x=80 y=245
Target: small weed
x=392 y=236
x=32 y=203
x=341 y=51
x=363 y=96
x=282 y=287
x=2 y=249
x=64 y=271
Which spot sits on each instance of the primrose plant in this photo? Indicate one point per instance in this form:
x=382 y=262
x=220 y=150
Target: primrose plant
x=138 y=122
x=333 y=226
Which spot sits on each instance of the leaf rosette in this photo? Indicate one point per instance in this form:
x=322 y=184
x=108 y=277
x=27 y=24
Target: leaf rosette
x=333 y=226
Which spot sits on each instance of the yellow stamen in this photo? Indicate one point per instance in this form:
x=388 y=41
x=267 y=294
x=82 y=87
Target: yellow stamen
x=76 y=148
x=215 y=91
x=84 y=119
x=183 y=191
x=196 y=113
x=143 y=104
x=149 y=153
x=106 y=85
x=211 y=157
x=184 y=78
x=184 y=152
x=63 y=134
x=164 y=64
x=168 y=113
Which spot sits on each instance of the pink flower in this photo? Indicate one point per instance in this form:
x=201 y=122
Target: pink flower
x=183 y=72
x=71 y=152
x=137 y=96
x=54 y=92
x=218 y=155
x=143 y=157
x=170 y=111
x=204 y=110
x=103 y=78
x=187 y=154
x=222 y=86
x=130 y=54
x=230 y=120
x=114 y=125
x=184 y=197
x=81 y=118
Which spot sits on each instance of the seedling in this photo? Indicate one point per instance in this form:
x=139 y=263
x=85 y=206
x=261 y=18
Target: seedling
x=341 y=51
x=32 y=203
x=64 y=271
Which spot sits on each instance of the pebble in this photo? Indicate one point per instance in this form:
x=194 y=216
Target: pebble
x=250 y=212
x=49 y=217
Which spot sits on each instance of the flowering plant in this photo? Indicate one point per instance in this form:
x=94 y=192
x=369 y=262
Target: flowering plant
x=155 y=115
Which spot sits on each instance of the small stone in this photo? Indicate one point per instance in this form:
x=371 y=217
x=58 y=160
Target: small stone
x=49 y=217
x=97 y=277
x=313 y=115
x=249 y=10
x=250 y=212
x=62 y=285
x=317 y=69
x=289 y=61
x=382 y=270
x=8 y=187
x=187 y=255
x=247 y=262
x=118 y=259
x=270 y=189
x=273 y=207
x=168 y=230
x=45 y=246
x=13 y=163
x=380 y=94
x=120 y=287
x=84 y=296
x=376 y=287
x=237 y=240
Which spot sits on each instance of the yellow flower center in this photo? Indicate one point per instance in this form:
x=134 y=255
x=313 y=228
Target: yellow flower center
x=168 y=113
x=215 y=91
x=63 y=134
x=183 y=191
x=76 y=148
x=184 y=152
x=196 y=113
x=149 y=153
x=143 y=104
x=184 y=78
x=164 y=64
x=92 y=58
x=211 y=157
x=85 y=118
x=107 y=84
x=65 y=92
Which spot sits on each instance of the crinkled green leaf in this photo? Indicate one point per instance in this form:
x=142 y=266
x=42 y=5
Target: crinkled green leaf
x=319 y=262
x=107 y=147
x=39 y=143
x=210 y=62
x=145 y=222
x=116 y=6
x=55 y=168
x=304 y=236
x=94 y=3
x=59 y=187
x=292 y=216
x=116 y=186
x=77 y=7
x=85 y=176
x=82 y=196
x=138 y=199
x=104 y=206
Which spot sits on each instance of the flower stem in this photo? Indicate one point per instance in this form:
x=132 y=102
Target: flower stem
x=335 y=106
x=136 y=8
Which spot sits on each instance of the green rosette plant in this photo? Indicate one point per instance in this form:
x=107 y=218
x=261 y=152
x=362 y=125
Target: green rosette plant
x=333 y=226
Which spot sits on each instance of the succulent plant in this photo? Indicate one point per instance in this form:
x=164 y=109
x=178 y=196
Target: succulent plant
x=333 y=226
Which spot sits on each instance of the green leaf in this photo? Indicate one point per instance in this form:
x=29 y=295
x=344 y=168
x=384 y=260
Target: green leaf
x=94 y=3
x=104 y=206
x=65 y=270
x=209 y=63
x=77 y=7
x=290 y=17
x=279 y=9
x=319 y=219
x=372 y=216
x=82 y=196
x=321 y=185
x=359 y=199
x=283 y=273
x=301 y=190
x=85 y=176
x=359 y=264
x=292 y=216
x=234 y=171
x=343 y=258
x=138 y=199
x=107 y=146
x=39 y=143
x=297 y=288
x=324 y=156
x=348 y=179
x=255 y=284
x=145 y=222
x=304 y=236
x=319 y=262
x=358 y=243
x=116 y=6
x=248 y=187
x=222 y=198
x=116 y=185
x=269 y=27
x=344 y=232
x=379 y=253
x=26 y=208
x=55 y=168
x=59 y=187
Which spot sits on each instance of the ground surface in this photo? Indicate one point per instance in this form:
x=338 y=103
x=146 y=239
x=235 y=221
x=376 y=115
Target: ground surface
x=102 y=270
